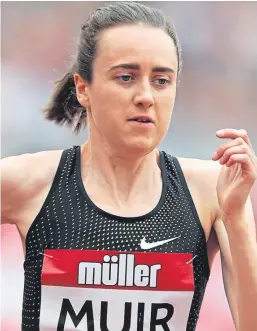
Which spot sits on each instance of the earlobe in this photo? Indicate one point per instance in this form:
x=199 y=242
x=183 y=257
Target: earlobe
x=81 y=90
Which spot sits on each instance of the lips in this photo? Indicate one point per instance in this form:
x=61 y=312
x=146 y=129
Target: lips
x=142 y=119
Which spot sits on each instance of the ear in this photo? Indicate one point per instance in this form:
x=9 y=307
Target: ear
x=82 y=90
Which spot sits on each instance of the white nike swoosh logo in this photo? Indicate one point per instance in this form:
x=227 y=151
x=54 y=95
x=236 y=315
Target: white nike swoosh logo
x=145 y=245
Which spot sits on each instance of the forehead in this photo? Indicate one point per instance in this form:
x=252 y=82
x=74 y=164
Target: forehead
x=139 y=44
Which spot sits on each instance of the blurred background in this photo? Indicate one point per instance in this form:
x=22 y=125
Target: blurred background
x=218 y=89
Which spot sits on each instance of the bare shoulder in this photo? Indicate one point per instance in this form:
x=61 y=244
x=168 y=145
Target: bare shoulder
x=22 y=170
x=198 y=167
x=23 y=177
x=203 y=173
x=201 y=177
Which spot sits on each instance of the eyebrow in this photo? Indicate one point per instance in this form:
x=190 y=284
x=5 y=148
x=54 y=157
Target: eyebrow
x=135 y=66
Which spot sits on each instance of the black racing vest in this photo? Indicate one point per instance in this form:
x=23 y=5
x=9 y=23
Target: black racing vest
x=68 y=219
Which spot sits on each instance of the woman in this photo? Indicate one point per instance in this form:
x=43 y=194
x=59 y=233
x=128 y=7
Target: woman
x=119 y=235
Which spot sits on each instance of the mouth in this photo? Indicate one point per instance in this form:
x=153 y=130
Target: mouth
x=142 y=120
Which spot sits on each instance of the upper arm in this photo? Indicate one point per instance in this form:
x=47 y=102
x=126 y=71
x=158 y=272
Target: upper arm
x=218 y=238
x=226 y=259
x=227 y=268
x=22 y=179
x=13 y=177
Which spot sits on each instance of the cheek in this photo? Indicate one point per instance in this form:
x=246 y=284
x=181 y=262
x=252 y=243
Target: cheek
x=110 y=106
x=164 y=126
x=106 y=116
x=165 y=111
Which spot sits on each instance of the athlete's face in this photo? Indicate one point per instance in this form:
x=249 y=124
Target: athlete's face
x=134 y=75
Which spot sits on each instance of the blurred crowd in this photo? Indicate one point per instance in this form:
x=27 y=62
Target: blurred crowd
x=217 y=86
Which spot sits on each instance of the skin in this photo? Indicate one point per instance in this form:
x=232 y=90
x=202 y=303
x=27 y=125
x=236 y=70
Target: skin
x=122 y=158
x=128 y=151
x=144 y=93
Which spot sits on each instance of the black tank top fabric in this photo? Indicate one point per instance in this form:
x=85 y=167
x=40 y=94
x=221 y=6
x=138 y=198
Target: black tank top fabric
x=68 y=219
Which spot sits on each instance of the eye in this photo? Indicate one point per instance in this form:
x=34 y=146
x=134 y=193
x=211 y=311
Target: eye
x=124 y=78
x=163 y=81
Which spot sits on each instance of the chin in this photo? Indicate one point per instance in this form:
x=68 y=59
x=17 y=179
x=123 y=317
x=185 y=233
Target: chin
x=140 y=147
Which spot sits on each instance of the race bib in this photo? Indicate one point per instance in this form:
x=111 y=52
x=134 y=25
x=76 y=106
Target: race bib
x=115 y=291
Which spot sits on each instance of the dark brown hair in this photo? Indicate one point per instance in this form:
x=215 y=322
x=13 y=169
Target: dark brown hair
x=64 y=106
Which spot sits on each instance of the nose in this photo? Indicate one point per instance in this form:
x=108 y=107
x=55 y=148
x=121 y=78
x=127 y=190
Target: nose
x=144 y=97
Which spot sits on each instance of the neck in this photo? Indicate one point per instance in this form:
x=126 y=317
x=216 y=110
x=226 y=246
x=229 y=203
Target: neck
x=120 y=179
